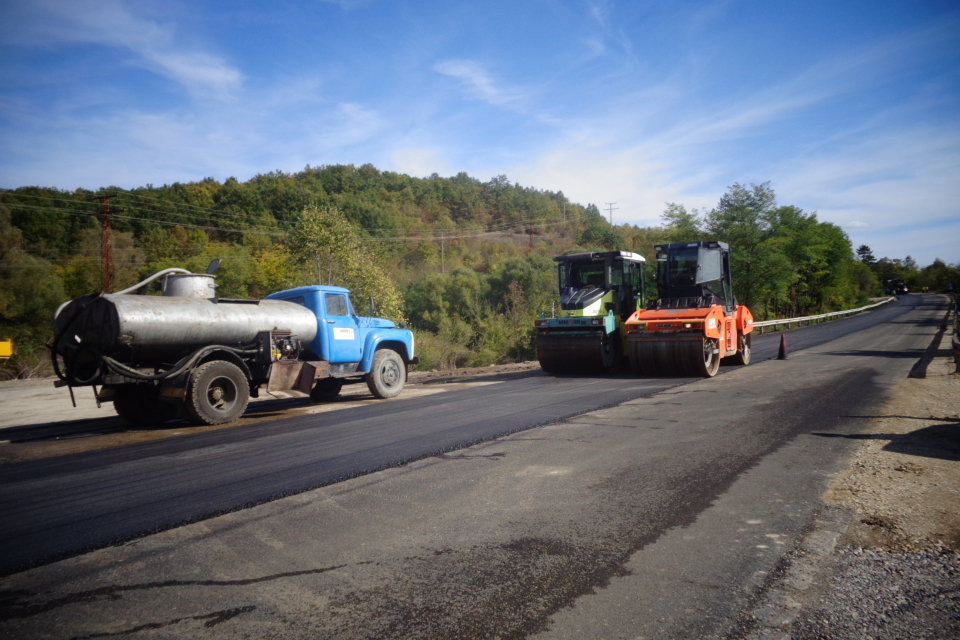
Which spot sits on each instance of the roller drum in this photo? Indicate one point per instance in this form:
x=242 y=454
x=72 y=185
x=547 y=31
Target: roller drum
x=156 y=326
x=674 y=357
x=560 y=352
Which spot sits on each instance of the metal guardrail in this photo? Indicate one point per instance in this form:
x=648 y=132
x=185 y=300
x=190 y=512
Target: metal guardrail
x=823 y=317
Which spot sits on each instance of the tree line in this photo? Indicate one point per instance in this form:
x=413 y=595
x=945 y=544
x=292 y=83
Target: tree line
x=467 y=263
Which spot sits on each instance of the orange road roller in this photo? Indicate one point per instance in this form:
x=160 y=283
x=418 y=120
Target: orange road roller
x=696 y=321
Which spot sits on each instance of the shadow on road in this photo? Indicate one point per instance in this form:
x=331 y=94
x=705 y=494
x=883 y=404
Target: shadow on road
x=937 y=441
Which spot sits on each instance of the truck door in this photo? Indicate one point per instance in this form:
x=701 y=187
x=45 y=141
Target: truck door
x=340 y=329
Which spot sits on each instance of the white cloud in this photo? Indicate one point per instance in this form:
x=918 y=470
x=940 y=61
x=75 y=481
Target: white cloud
x=419 y=161
x=111 y=23
x=638 y=184
x=477 y=82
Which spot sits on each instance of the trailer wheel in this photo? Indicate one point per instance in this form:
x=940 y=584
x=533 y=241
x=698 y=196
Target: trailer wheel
x=219 y=393
x=326 y=389
x=743 y=353
x=387 y=374
x=140 y=406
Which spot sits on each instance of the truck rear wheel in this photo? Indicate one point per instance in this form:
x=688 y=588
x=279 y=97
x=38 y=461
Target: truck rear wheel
x=219 y=393
x=139 y=405
x=387 y=374
x=326 y=389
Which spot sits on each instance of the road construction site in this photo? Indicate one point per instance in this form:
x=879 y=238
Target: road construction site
x=510 y=503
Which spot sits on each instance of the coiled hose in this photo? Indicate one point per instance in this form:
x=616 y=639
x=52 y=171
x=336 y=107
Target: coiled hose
x=184 y=364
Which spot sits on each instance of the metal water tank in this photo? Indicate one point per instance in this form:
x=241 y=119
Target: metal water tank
x=168 y=326
x=192 y=285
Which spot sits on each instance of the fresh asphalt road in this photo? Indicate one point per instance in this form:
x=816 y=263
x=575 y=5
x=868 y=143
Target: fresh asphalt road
x=62 y=506
x=658 y=505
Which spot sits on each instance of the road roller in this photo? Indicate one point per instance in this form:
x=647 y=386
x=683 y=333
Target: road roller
x=598 y=292
x=696 y=321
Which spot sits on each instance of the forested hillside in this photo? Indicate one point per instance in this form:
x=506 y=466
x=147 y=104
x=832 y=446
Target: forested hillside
x=467 y=263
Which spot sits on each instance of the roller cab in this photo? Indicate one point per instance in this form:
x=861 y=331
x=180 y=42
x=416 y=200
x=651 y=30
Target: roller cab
x=598 y=292
x=696 y=321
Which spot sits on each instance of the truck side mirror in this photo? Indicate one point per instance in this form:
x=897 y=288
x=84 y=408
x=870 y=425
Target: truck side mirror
x=373 y=310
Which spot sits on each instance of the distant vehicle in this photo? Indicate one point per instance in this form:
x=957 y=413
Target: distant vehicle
x=897 y=287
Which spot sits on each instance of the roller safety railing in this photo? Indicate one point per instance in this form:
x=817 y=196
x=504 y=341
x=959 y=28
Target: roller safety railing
x=823 y=317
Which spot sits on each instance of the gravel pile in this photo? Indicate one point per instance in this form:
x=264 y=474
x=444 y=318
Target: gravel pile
x=885 y=595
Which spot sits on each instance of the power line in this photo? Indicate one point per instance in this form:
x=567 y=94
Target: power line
x=611 y=209
x=87 y=214
x=172 y=213
x=446 y=234
x=502 y=226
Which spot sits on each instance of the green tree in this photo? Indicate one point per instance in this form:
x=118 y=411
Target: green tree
x=680 y=225
x=30 y=292
x=325 y=242
x=742 y=219
x=865 y=255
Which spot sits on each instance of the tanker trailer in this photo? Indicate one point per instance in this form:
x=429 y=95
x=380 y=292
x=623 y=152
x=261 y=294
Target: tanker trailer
x=188 y=351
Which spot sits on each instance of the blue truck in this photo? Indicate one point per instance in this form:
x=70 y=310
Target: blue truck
x=191 y=353
x=352 y=348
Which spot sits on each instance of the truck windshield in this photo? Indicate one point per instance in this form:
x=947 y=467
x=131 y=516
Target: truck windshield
x=587 y=276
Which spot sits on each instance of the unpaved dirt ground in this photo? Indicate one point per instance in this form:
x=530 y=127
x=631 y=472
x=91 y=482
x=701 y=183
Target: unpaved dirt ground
x=39 y=421
x=903 y=486
x=883 y=560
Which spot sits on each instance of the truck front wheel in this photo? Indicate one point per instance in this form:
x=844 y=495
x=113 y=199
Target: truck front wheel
x=219 y=393
x=387 y=374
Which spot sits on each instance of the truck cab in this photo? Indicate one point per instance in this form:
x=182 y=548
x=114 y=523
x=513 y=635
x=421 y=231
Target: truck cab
x=351 y=348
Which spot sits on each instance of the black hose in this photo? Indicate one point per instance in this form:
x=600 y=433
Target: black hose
x=182 y=365
x=66 y=327
x=72 y=374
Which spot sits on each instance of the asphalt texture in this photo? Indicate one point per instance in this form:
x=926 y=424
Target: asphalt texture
x=662 y=514
x=63 y=506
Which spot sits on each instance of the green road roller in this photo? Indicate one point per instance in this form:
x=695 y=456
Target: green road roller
x=598 y=292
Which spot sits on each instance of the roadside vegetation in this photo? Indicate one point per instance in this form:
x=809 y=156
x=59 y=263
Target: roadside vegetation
x=468 y=264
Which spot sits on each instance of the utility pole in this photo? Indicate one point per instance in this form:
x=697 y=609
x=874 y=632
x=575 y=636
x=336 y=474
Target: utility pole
x=106 y=240
x=611 y=209
x=442 y=268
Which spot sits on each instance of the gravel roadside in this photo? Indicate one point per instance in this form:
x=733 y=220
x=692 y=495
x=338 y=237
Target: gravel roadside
x=882 y=561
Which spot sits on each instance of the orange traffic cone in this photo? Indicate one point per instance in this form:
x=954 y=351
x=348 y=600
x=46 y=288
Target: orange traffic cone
x=783 y=348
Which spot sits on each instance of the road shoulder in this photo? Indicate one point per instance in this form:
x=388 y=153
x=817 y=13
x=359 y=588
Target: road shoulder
x=883 y=559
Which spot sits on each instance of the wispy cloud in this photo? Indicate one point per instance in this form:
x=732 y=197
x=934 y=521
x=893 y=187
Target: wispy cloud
x=477 y=82
x=111 y=23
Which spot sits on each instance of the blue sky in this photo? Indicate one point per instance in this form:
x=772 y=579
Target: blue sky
x=850 y=109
